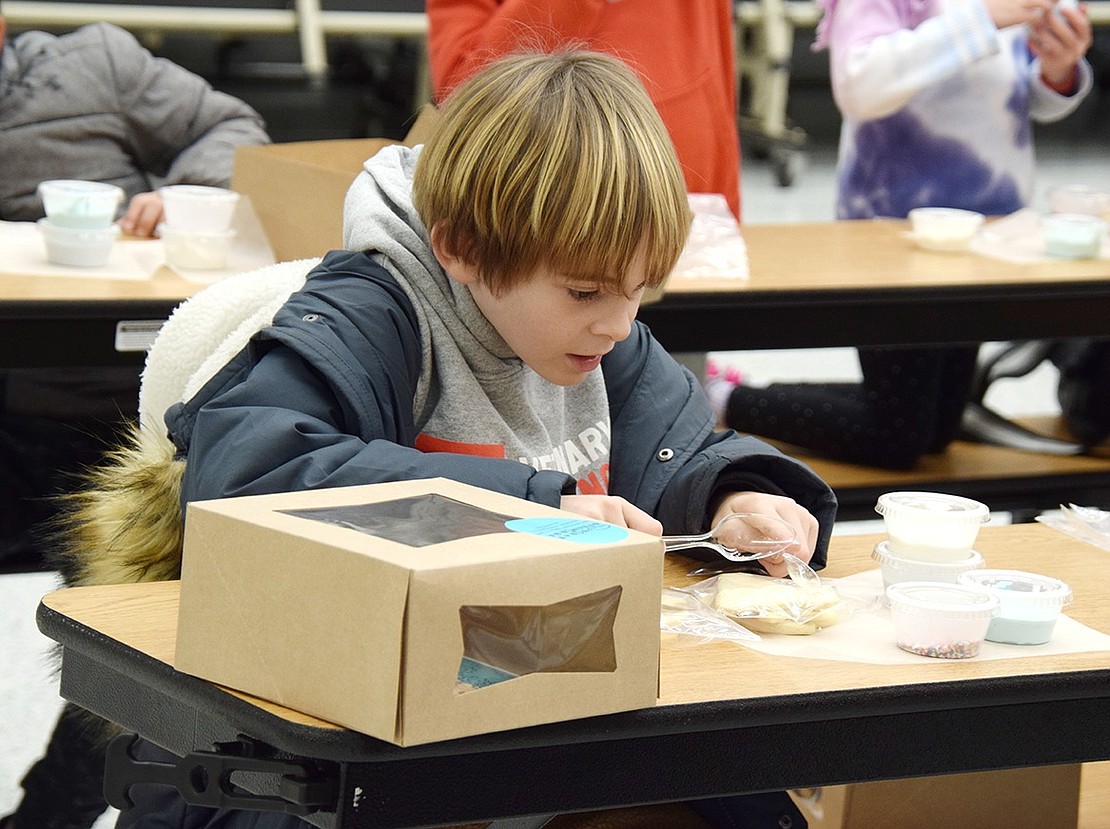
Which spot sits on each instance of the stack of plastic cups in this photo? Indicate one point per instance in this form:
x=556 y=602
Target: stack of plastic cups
x=79 y=229
x=930 y=536
x=930 y=543
x=197 y=233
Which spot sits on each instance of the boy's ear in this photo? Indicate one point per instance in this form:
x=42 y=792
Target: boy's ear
x=458 y=268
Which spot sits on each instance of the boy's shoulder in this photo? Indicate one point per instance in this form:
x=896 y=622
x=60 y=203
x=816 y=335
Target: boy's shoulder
x=350 y=285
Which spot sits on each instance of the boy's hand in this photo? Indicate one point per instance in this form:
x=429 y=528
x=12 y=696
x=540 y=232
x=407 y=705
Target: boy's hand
x=612 y=509
x=144 y=213
x=786 y=509
x=1060 y=41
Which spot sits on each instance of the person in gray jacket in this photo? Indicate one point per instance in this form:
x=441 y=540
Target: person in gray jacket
x=480 y=326
x=94 y=105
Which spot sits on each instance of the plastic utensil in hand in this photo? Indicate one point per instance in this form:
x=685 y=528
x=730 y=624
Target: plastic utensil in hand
x=740 y=536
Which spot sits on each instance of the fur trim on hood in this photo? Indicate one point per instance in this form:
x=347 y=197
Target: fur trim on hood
x=124 y=523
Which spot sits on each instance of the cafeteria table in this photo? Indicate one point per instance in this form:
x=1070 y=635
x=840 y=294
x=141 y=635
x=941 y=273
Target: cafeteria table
x=729 y=718
x=844 y=283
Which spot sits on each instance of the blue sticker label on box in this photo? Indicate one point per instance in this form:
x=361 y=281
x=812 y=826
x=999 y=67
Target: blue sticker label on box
x=581 y=530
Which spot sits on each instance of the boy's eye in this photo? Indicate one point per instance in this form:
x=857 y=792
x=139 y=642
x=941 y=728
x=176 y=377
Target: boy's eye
x=582 y=294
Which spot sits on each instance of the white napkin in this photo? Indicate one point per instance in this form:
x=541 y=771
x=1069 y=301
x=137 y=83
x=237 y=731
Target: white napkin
x=23 y=253
x=1018 y=238
x=868 y=635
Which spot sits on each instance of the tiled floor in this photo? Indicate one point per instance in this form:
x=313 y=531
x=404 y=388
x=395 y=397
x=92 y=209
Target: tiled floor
x=28 y=688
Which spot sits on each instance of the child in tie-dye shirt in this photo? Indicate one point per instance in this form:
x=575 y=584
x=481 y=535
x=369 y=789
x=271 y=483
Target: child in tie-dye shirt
x=939 y=96
x=938 y=99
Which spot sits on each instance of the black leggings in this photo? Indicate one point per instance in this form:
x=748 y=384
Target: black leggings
x=65 y=788
x=908 y=404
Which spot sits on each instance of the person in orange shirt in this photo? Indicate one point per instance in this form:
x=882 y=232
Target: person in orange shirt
x=683 y=52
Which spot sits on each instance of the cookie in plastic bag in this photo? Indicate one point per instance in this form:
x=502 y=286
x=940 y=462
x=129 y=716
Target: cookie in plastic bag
x=776 y=606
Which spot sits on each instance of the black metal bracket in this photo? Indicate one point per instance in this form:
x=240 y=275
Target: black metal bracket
x=203 y=778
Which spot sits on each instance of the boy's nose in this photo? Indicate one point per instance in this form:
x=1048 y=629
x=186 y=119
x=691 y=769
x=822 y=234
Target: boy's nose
x=617 y=323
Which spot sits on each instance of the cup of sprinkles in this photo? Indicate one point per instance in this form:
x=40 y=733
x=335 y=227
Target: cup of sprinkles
x=944 y=621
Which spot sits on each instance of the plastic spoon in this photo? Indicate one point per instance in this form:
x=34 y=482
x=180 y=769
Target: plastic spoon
x=749 y=539
x=747 y=534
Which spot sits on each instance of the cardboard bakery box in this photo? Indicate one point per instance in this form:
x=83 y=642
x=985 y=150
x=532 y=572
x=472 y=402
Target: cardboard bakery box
x=420 y=611
x=297 y=188
x=1044 y=796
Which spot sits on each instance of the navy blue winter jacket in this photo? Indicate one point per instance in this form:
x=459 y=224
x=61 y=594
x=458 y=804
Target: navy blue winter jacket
x=331 y=384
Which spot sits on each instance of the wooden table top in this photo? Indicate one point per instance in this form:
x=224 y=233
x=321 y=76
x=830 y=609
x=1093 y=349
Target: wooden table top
x=163 y=285
x=872 y=254
x=144 y=617
x=782 y=257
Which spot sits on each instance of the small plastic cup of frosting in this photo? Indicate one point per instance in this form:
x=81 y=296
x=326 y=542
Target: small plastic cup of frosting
x=1079 y=198
x=198 y=208
x=897 y=569
x=1073 y=235
x=931 y=526
x=80 y=205
x=944 y=228
x=1029 y=604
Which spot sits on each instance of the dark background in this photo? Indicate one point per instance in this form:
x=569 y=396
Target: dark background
x=369 y=89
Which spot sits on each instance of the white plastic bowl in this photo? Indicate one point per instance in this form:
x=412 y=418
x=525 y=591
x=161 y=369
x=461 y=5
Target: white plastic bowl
x=1029 y=604
x=944 y=228
x=897 y=569
x=77 y=247
x=196 y=250
x=945 y=621
x=931 y=526
x=1073 y=235
x=198 y=208
x=86 y=205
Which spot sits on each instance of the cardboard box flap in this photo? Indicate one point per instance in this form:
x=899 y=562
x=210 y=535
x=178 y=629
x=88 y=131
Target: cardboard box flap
x=298 y=187
x=291 y=607
x=426 y=121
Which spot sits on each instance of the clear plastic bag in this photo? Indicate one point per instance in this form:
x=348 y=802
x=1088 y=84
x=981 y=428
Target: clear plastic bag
x=768 y=605
x=714 y=247
x=693 y=622
x=1088 y=524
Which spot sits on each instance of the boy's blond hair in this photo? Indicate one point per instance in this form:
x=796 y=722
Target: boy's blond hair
x=558 y=160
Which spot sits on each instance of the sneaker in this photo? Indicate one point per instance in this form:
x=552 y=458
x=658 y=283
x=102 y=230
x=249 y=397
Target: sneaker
x=718 y=389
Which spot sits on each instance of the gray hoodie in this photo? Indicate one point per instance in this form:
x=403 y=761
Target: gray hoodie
x=472 y=389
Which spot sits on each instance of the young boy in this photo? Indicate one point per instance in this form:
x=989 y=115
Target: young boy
x=480 y=326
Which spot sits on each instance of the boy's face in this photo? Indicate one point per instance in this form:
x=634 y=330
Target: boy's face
x=560 y=327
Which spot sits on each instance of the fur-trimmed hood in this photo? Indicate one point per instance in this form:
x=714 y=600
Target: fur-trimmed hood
x=125 y=523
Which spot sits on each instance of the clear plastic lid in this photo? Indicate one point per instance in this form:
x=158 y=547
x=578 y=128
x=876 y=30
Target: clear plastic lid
x=953 y=601
x=886 y=558
x=924 y=504
x=1018 y=587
